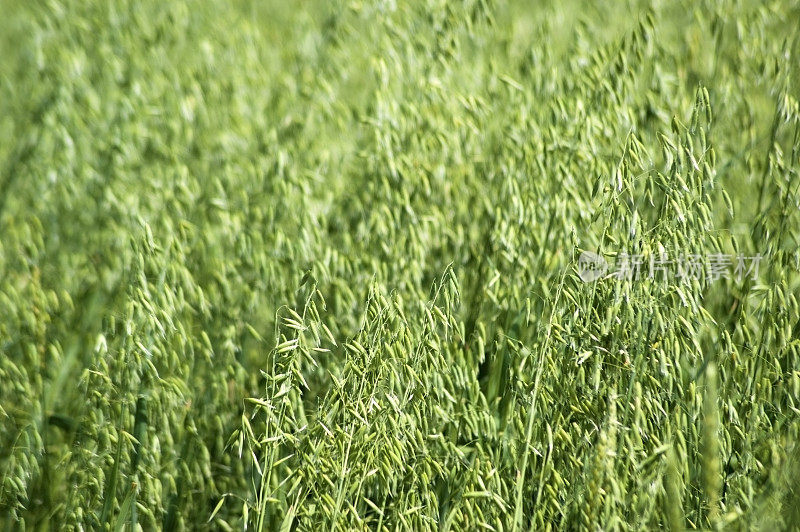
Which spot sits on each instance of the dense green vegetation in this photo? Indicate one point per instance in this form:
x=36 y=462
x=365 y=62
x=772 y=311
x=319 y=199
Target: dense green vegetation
x=316 y=266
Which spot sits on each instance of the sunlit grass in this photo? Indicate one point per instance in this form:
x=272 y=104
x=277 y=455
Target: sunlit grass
x=316 y=266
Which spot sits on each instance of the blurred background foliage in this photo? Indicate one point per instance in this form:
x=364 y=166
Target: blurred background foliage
x=312 y=264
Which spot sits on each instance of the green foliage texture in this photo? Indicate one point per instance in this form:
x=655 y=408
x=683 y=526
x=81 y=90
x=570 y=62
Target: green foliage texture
x=313 y=265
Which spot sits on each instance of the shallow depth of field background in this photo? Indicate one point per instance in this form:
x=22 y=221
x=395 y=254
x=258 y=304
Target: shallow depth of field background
x=312 y=265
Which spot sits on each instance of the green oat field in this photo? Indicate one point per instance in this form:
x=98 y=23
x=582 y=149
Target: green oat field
x=387 y=265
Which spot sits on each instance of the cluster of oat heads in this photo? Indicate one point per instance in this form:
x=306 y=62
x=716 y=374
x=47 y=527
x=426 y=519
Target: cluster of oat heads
x=306 y=267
